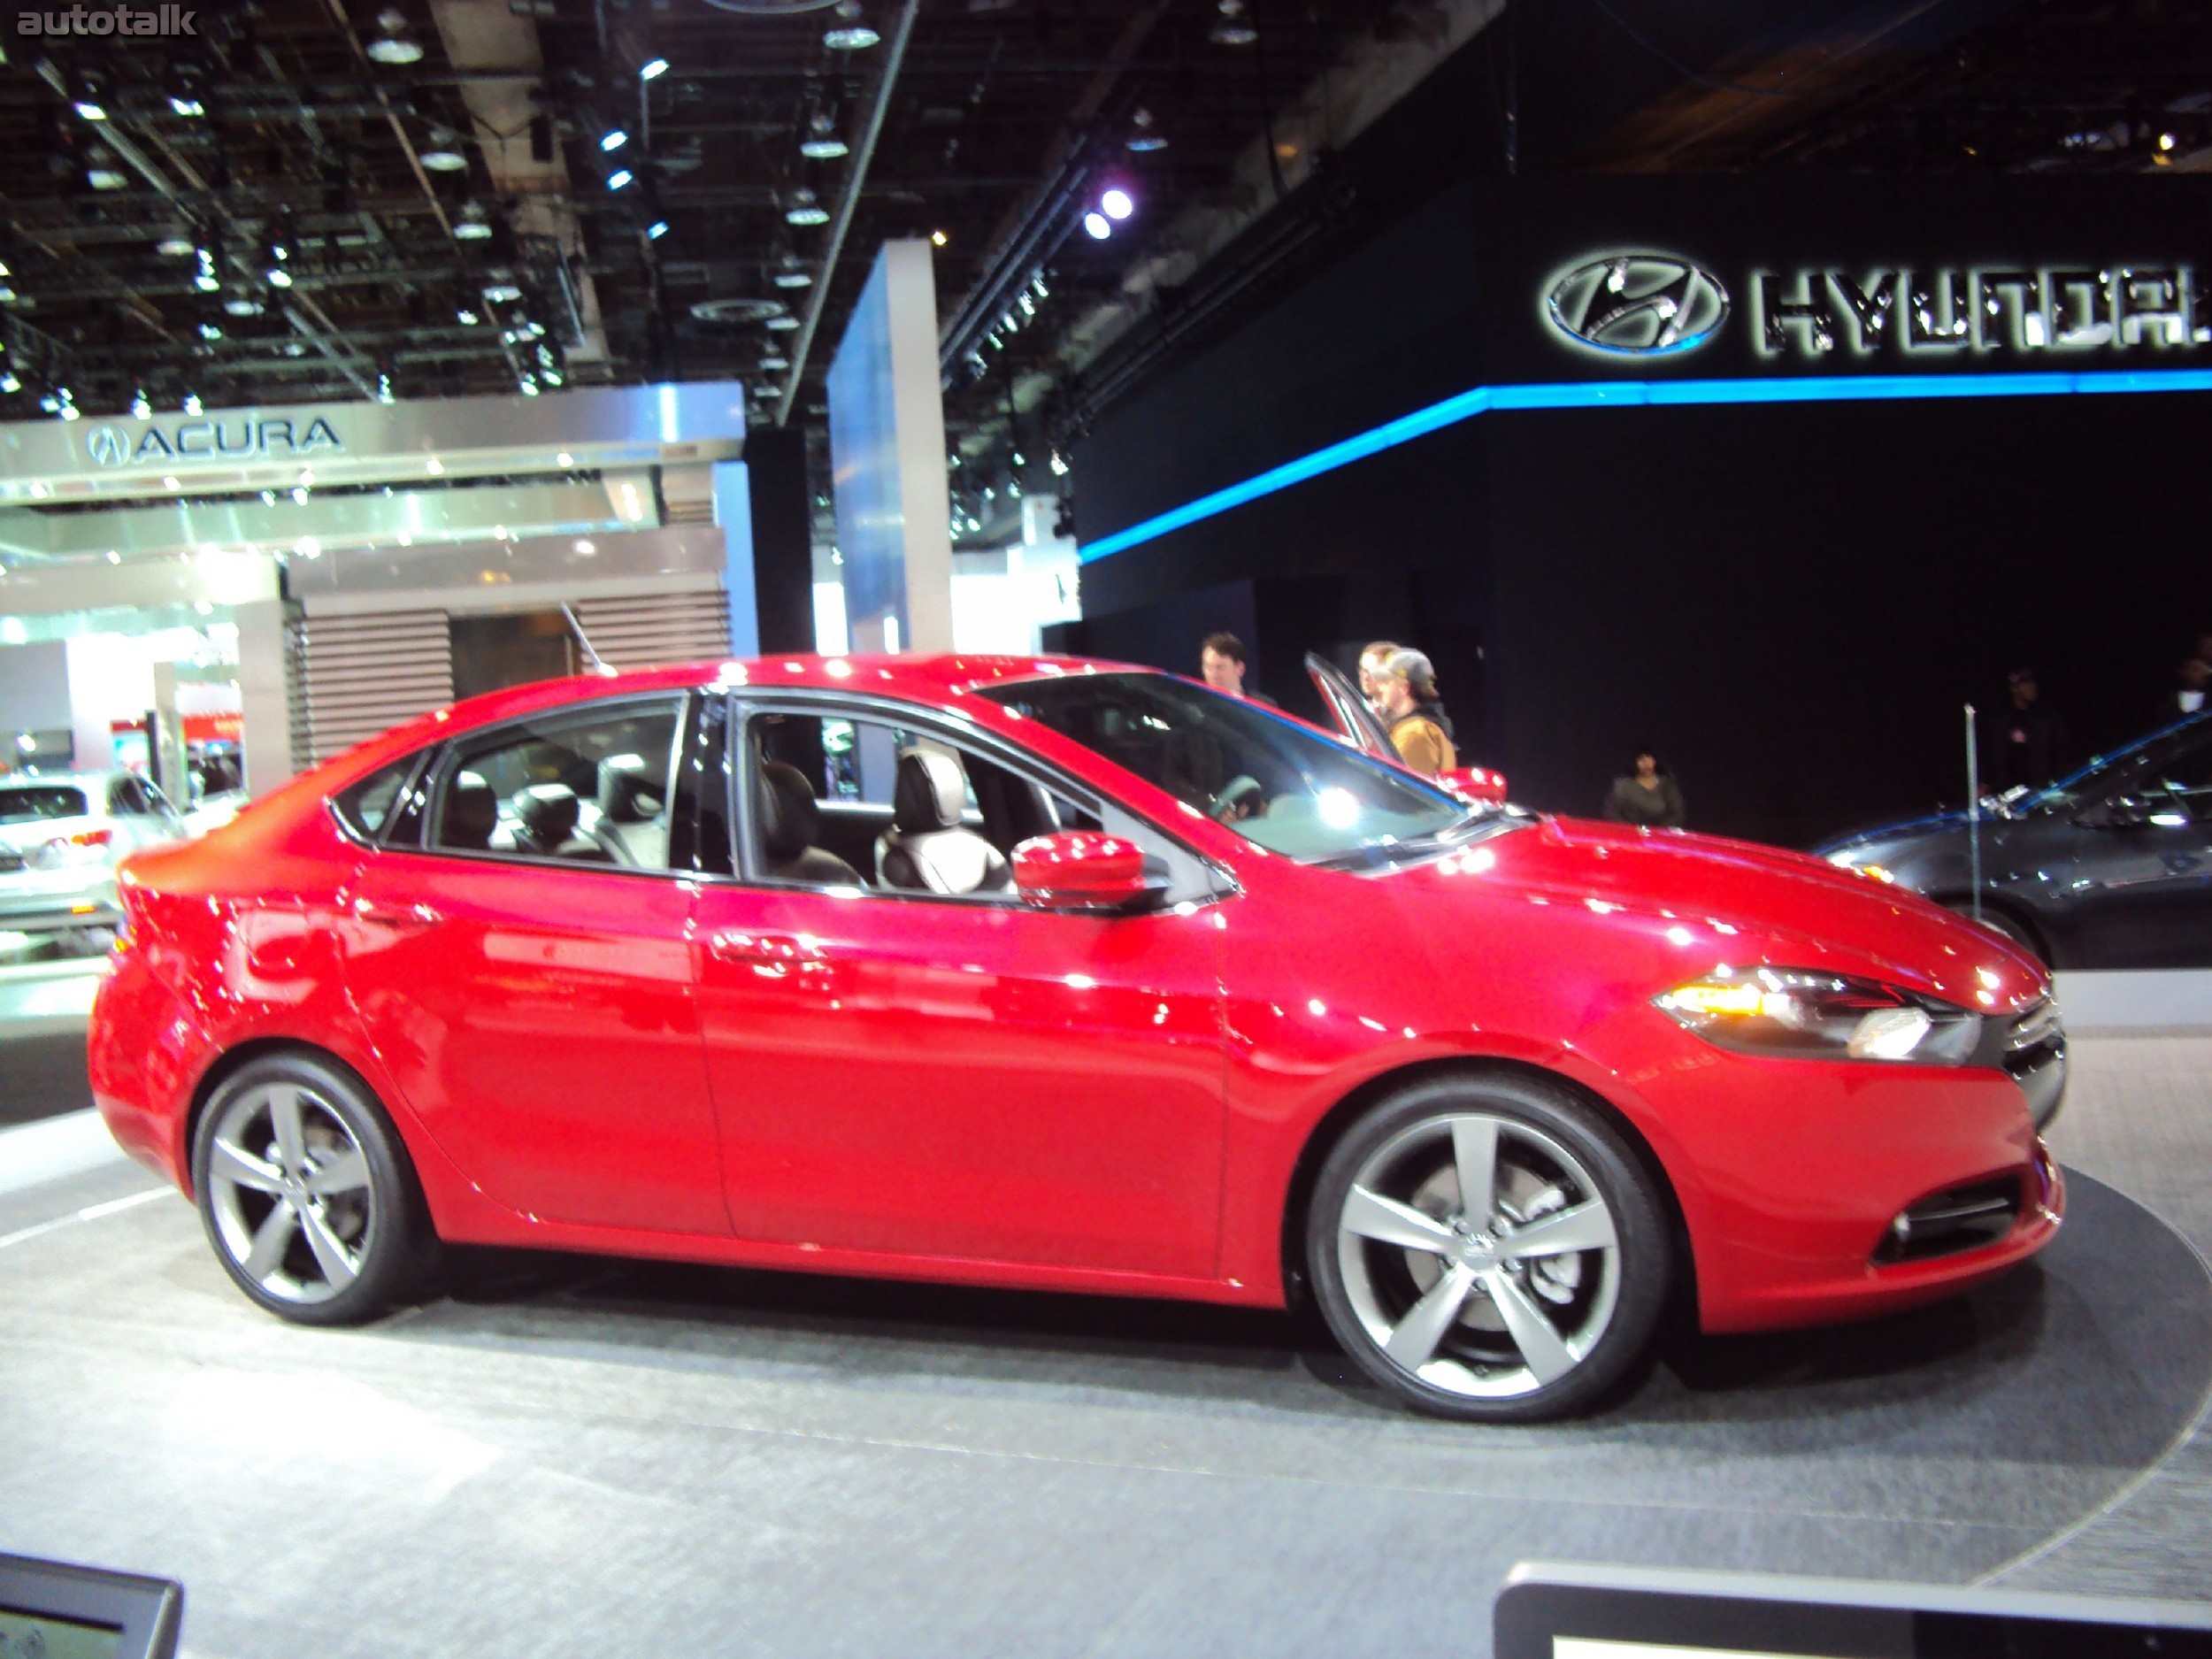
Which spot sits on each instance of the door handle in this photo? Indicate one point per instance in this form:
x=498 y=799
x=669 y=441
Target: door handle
x=783 y=949
x=407 y=915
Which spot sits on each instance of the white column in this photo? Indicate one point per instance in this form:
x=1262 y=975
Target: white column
x=264 y=703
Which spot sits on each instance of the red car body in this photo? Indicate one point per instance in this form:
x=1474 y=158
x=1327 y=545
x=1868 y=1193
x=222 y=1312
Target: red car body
x=579 y=1059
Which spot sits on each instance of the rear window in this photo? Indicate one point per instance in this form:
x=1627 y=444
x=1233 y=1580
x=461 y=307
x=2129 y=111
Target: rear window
x=369 y=805
x=27 y=803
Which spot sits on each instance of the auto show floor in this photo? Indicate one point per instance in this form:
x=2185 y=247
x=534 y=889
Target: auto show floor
x=572 y=1454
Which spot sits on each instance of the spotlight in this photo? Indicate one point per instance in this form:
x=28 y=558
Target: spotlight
x=69 y=411
x=467 y=317
x=101 y=176
x=186 y=91
x=851 y=35
x=619 y=178
x=822 y=143
x=240 y=305
x=1098 y=225
x=140 y=409
x=8 y=382
x=938 y=238
x=209 y=331
x=394 y=45
x=89 y=93
x=775 y=360
x=792 y=274
x=205 y=279
x=174 y=247
x=1144 y=138
x=279 y=277
x=614 y=140
x=384 y=388
x=471 y=224
x=443 y=154
x=781 y=325
x=1235 y=28
x=529 y=386
x=804 y=210
x=652 y=69
x=1117 y=203
x=501 y=294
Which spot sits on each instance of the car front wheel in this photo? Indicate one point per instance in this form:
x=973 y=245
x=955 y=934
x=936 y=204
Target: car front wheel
x=1488 y=1249
x=307 y=1195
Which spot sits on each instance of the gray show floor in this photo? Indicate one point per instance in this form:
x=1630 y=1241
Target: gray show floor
x=572 y=1454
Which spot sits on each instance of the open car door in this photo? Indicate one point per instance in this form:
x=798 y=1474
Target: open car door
x=1363 y=728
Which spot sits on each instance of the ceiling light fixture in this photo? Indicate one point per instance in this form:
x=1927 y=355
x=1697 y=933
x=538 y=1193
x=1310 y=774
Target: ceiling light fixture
x=238 y=306
x=210 y=331
x=1144 y=138
x=614 y=140
x=791 y=275
x=1117 y=203
x=7 y=381
x=171 y=248
x=192 y=403
x=652 y=69
x=938 y=238
x=501 y=293
x=394 y=45
x=205 y=279
x=89 y=93
x=619 y=178
x=443 y=154
x=822 y=141
x=471 y=224
x=467 y=317
x=774 y=361
x=805 y=210
x=1098 y=224
x=783 y=324
x=1235 y=28
x=657 y=229
x=141 y=409
x=101 y=176
x=851 y=35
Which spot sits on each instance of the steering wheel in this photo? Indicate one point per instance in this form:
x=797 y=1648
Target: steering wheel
x=1238 y=791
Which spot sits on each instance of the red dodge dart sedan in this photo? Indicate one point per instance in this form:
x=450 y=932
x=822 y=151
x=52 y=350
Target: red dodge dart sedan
x=1059 y=974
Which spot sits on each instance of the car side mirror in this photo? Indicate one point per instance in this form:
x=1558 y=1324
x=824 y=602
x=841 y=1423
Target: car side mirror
x=1476 y=785
x=1083 y=870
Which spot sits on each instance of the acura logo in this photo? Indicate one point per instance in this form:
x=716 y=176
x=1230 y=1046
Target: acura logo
x=107 y=445
x=1639 y=304
x=241 y=438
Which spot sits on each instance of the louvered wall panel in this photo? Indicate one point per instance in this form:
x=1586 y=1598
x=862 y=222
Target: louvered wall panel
x=648 y=630
x=356 y=676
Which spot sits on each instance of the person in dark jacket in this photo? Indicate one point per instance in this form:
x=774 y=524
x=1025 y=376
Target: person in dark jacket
x=2026 y=738
x=1648 y=796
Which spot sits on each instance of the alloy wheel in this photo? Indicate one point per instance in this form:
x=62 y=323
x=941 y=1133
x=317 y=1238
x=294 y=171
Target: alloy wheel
x=291 y=1192
x=1480 y=1255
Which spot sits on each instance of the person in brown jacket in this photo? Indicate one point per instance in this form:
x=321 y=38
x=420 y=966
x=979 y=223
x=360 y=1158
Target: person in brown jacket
x=1406 y=682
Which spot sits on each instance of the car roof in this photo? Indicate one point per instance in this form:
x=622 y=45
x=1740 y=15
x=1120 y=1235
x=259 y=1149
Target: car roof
x=928 y=679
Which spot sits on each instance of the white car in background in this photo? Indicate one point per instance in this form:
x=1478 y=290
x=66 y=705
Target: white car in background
x=61 y=836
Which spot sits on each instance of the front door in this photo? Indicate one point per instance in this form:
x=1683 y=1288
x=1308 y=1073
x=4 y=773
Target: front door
x=524 y=974
x=2141 y=887
x=940 y=1071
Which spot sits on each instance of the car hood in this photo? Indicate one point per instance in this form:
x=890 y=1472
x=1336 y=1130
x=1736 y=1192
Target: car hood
x=1787 y=909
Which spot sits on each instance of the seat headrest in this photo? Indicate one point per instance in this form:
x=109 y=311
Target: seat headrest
x=627 y=793
x=932 y=790
x=784 y=801
x=547 y=813
x=472 y=812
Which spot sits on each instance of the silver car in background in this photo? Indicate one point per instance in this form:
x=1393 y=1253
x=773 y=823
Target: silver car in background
x=62 y=835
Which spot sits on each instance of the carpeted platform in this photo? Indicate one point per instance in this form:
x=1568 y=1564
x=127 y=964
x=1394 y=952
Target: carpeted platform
x=584 y=1455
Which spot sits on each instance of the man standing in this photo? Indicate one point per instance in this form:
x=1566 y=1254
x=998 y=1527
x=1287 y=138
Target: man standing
x=1420 y=742
x=1221 y=664
x=2029 y=737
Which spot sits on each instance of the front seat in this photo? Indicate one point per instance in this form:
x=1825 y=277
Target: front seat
x=472 y=813
x=784 y=803
x=927 y=849
x=630 y=803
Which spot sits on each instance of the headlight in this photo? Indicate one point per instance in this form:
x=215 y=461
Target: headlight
x=1799 y=1013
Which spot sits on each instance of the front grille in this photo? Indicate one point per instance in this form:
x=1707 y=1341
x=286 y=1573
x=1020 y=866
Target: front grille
x=1946 y=1223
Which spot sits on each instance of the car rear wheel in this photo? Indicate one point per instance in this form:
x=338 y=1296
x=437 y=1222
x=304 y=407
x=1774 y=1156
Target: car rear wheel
x=1489 y=1248
x=307 y=1195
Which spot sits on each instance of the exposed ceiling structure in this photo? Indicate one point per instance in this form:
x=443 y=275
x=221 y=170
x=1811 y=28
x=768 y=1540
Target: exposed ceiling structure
x=301 y=200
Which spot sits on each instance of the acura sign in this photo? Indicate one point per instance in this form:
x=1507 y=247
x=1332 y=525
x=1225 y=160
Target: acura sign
x=243 y=438
x=1655 y=305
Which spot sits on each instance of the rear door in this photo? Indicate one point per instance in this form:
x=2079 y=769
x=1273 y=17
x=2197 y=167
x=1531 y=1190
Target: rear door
x=523 y=970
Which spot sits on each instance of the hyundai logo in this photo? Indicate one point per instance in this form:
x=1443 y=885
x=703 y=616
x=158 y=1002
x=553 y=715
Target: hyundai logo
x=107 y=445
x=1639 y=304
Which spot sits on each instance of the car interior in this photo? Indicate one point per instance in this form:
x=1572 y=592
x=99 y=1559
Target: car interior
x=862 y=803
x=593 y=792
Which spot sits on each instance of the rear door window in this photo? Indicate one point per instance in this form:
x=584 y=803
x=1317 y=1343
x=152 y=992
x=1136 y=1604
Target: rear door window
x=28 y=803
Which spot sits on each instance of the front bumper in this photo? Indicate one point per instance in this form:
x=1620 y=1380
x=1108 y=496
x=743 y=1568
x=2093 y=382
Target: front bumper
x=1792 y=1174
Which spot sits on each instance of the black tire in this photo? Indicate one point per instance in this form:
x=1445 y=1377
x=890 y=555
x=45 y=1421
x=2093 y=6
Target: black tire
x=1999 y=921
x=1551 y=1151
x=354 y=1238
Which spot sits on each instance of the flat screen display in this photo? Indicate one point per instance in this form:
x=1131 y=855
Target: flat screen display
x=42 y=1636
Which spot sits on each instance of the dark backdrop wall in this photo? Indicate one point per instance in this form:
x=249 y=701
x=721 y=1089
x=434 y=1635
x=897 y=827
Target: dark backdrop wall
x=1792 y=601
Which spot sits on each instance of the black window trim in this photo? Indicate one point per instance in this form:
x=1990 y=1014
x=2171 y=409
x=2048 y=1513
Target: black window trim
x=445 y=754
x=949 y=726
x=420 y=759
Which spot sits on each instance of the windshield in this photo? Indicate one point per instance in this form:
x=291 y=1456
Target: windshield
x=2171 y=762
x=27 y=803
x=1277 y=783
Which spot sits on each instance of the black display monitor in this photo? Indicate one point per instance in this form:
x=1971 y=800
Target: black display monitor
x=1547 y=1611
x=51 y=1611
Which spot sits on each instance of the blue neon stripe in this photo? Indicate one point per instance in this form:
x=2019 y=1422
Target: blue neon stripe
x=1825 y=389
